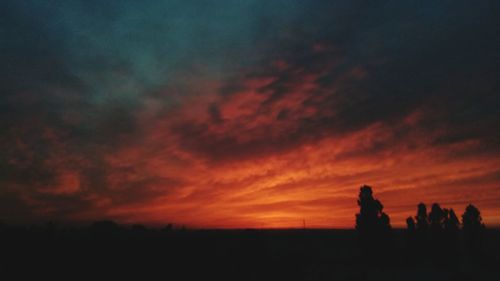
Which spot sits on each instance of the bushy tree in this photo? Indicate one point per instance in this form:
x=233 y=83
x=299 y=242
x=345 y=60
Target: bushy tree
x=410 y=237
x=410 y=223
x=436 y=218
x=372 y=224
x=451 y=224
x=472 y=228
x=471 y=219
x=421 y=218
x=435 y=232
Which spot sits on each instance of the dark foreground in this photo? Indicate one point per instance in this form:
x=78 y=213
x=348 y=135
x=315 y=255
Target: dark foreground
x=143 y=254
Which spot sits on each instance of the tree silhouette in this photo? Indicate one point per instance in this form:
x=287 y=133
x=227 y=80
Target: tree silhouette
x=168 y=227
x=372 y=224
x=385 y=222
x=471 y=219
x=472 y=228
x=436 y=218
x=444 y=226
x=452 y=223
x=420 y=239
x=410 y=237
x=421 y=218
x=451 y=227
x=410 y=223
x=437 y=232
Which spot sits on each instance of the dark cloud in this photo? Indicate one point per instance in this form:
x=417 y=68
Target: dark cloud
x=415 y=57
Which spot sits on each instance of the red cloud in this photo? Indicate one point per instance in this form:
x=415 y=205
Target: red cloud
x=269 y=150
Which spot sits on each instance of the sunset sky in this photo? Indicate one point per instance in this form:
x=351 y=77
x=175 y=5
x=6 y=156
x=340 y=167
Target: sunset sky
x=242 y=114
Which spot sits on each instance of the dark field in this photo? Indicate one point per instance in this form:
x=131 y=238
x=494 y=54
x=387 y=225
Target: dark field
x=144 y=254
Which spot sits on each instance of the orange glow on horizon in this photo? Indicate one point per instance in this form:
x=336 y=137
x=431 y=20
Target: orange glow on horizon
x=236 y=161
x=316 y=183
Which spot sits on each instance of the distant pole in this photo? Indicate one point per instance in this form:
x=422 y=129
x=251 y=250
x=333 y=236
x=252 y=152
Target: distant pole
x=304 y=223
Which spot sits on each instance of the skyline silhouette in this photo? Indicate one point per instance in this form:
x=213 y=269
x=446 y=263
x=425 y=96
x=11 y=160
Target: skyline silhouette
x=435 y=246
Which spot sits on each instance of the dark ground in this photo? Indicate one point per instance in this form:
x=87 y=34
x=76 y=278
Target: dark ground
x=112 y=253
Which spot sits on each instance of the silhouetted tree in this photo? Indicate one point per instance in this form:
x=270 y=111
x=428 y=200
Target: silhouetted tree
x=436 y=233
x=410 y=236
x=472 y=228
x=168 y=227
x=385 y=222
x=451 y=228
x=372 y=224
x=436 y=218
x=367 y=220
x=422 y=220
x=436 y=223
x=451 y=223
x=421 y=231
x=410 y=224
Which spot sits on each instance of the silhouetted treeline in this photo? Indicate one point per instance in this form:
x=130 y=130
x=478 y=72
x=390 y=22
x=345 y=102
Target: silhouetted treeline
x=438 y=232
x=436 y=236
x=438 y=244
x=372 y=224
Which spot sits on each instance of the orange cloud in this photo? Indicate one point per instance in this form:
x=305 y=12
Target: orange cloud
x=316 y=180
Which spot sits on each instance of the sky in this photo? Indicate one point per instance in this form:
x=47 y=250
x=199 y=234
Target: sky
x=247 y=114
